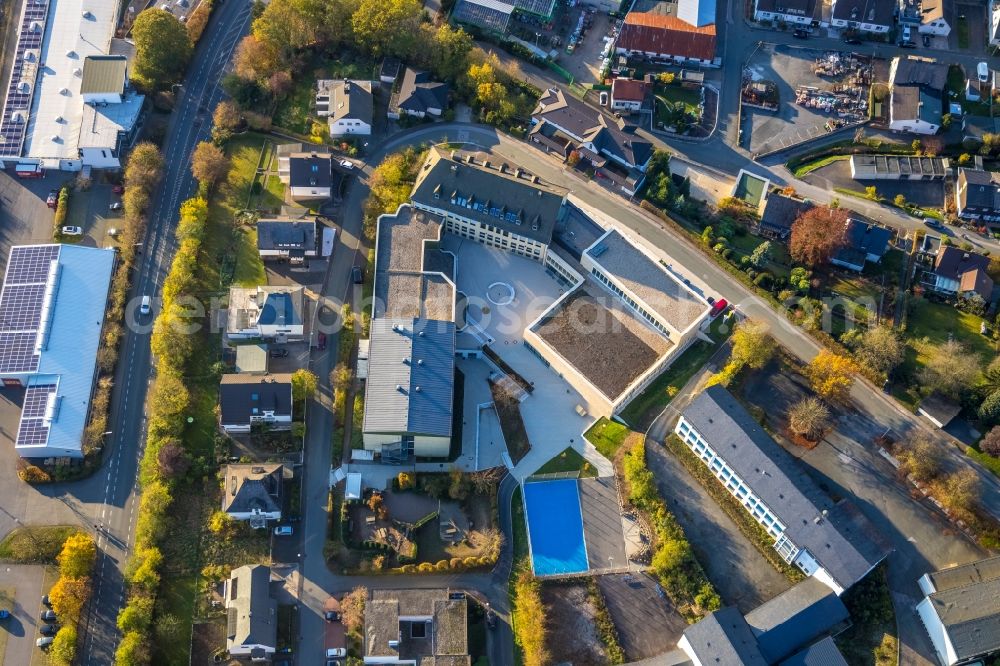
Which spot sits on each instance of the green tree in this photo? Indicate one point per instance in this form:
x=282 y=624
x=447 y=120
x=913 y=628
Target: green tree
x=304 y=384
x=880 y=349
x=449 y=52
x=871 y=193
x=137 y=614
x=63 y=648
x=144 y=167
x=761 y=254
x=209 y=164
x=162 y=49
x=989 y=411
x=133 y=650
x=900 y=201
x=950 y=370
x=387 y=27
x=752 y=347
x=964 y=158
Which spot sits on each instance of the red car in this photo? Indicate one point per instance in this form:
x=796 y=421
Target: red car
x=720 y=306
x=53 y=199
x=321 y=341
x=118 y=189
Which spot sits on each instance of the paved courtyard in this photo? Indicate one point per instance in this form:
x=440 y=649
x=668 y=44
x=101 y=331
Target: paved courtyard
x=24 y=583
x=549 y=412
x=602 y=523
x=646 y=622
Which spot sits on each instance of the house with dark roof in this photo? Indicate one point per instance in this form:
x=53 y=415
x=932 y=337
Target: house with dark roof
x=779 y=212
x=977 y=195
x=793 y=12
x=832 y=542
x=418 y=96
x=308 y=174
x=959 y=273
x=875 y=16
x=425 y=627
x=917 y=93
x=253 y=491
x=794 y=628
x=658 y=34
x=629 y=95
x=863 y=242
x=287 y=239
x=961 y=611
x=251 y=614
x=563 y=124
x=347 y=105
x=249 y=400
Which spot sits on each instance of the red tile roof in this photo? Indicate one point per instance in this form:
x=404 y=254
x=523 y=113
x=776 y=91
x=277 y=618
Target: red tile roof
x=667 y=35
x=628 y=90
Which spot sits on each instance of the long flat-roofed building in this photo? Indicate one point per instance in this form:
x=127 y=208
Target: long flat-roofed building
x=898 y=167
x=51 y=317
x=68 y=104
x=832 y=542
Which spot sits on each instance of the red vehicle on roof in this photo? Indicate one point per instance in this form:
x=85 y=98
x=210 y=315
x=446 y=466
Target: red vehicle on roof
x=720 y=306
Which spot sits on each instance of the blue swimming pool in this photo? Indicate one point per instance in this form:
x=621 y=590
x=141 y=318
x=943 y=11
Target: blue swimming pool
x=555 y=527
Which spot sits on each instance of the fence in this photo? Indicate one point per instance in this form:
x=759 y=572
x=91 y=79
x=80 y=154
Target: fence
x=552 y=476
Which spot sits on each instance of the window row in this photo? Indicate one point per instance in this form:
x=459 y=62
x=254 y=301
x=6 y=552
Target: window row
x=606 y=281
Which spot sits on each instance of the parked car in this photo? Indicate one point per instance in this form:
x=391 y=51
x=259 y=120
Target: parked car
x=116 y=205
x=72 y=231
x=347 y=164
x=118 y=189
x=357 y=275
x=799 y=33
x=983 y=72
x=906 y=34
x=45 y=600
x=853 y=41
x=336 y=653
x=719 y=307
x=4 y=613
x=491 y=619
x=44 y=641
x=53 y=199
x=48 y=630
x=931 y=222
x=321 y=341
x=331 y=616
x=278 y=353
x=145 y=305
x=47 y=616
x=283 y=530
x=927 y=41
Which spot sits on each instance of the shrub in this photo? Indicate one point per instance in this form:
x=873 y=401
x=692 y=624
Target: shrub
x=62 y=208
x=764 y=280
x=425 y=567
x=406 y=480
x=32 y=473
x=990 y=444
x=455 y=563
x=442 y=565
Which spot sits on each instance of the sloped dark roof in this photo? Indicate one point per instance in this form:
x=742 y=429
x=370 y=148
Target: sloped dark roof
x=971 y=617
x=795 y=618
x=723 y=637
x=877 y=12
x=243 y=396
x=286 y=235
x=840 y=546
x=920 y=72
x=982 y=189
x=813 y=8
x=867 y=237
x=419 y=93
x=952 y=262
x=820 y=653
x=249 y=487
x=781 y=211
x=309 y=170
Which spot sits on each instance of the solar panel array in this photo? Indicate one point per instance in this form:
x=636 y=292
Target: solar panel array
x=34 y=427
x=12 y=130
x=21 y=305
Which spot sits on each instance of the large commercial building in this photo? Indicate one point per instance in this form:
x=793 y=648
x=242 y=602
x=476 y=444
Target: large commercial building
x=51 y=317
x=961 y=611
x=832 y=542
x=69 y=105
x=651 y=30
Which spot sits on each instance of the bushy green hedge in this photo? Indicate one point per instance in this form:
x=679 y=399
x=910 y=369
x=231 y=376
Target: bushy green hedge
x=673 y=563
x=62 y=209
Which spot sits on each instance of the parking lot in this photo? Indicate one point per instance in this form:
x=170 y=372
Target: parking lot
x=927 y=194
x=792 y=69
x=646 y=622
x=21 y=588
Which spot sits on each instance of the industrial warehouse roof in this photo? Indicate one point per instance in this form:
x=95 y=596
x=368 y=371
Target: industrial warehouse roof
x=51 y=315
x=653 y=32
x=871 y=166
x=474 y=186
x=411 y=376
x=836 y=535
x=670 y=300
x=104 y=74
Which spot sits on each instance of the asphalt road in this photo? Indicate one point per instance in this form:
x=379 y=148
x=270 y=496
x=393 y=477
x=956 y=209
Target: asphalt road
x=111 y=495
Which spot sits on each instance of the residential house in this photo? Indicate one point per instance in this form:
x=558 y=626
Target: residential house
x=898 y=167
x=959 y=273
x=698 y=13
x=961 y=611
x=389 y=71
x=418 y=96
x=416 y=627
x=977 y=195
x=778 y=213
x=629 y=95
x=939 y=409
x=563 y=124
x=916 y=99
x=875 y=16
x=347 y=105
x=974 y=127
x=659 y=35
x=794 y=12
x=271 y=313
x=251 y=400
x=287 y=239
x=253 y=491
x=308 y=174
x=863 y=242
x=831 y=541
x=251 y=614
x=927 y=16
x=792 y=629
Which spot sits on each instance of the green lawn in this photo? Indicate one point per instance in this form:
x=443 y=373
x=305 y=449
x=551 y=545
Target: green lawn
x=746 y=243
x=645 y=407
x=936 y=321
x=809 y=167
x=520 y=528
x=35 y=544
x=178 y=600
x=607 y=436
x=570 y=460
x=855 y=288
x=963 y=32
x=675 y=93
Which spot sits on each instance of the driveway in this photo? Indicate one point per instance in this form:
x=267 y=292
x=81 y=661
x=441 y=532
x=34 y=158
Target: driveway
x=24 y=217
x=846 y=464
x=25 y=581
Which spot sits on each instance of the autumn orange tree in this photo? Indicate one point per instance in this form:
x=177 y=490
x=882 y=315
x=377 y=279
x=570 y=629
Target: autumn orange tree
x=831 y=375
x=76 y=559
x=209 y=164
x=817 y=234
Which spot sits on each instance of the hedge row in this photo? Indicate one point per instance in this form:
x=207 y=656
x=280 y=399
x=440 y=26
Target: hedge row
x=168 y=402
x=673 y=562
